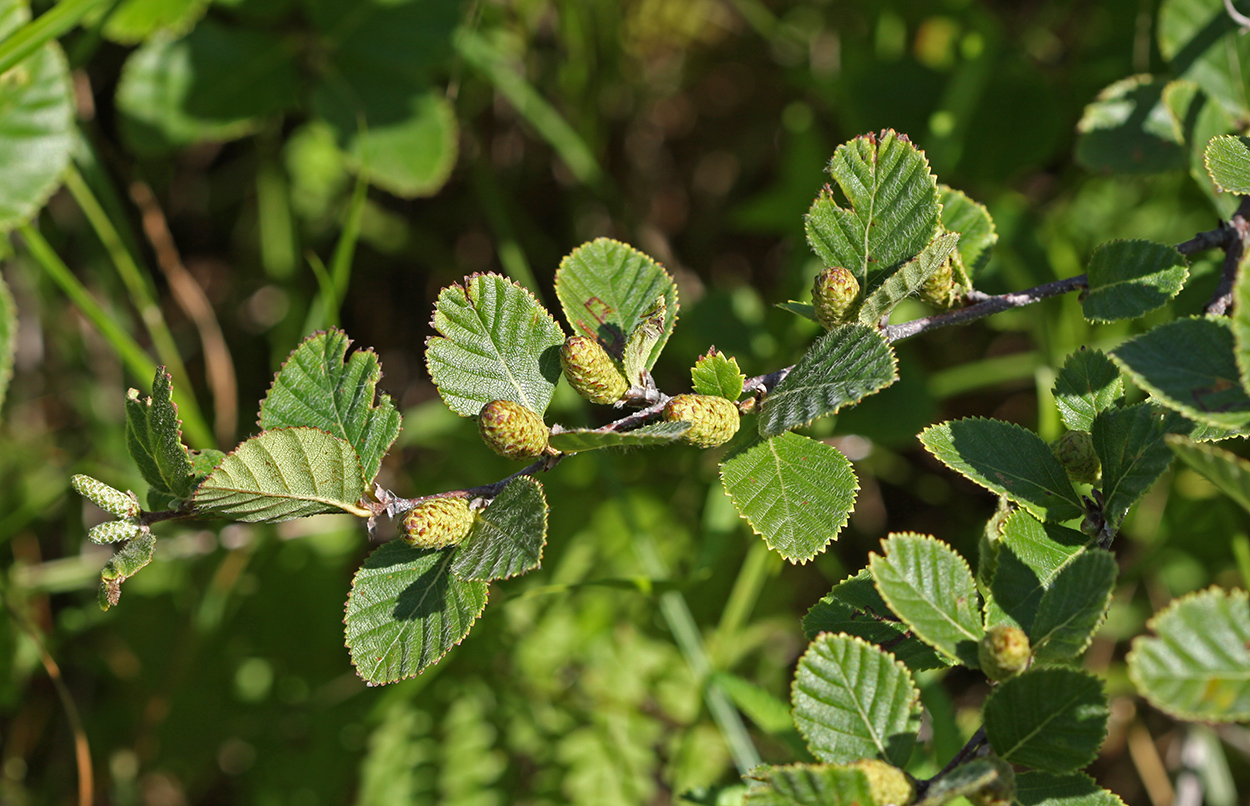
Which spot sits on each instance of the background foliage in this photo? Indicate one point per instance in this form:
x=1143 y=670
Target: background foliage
x=496 y=137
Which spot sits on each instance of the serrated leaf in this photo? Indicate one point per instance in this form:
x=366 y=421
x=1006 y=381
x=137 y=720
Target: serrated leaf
x=807 y=785
x=1227 y=159
x=406 y=609
x=1202 y=43
x=606 y=288
x=1087 y=384
x=795 y=492
x=975 y=227
x=1054 y=719
x=154 y=437
x=642 y=341
x=217 y=83
x=853 y=701
x=1227 y=471
x=124 y=564
x=1073 y=607
x=715 y=374
x=1189 y=366
x=1197 y=665
x=1128 y=129
x=1129 y=444
x=932 y=590
x=1128 y=279
x=132 y=21
x=8 y=338
x=908 y=279
x=1043 y=789
x=1009 y=460
x=284 y=474
x=893 y=212
x=1031 y=554
x=508 y=536
x=588 y=439
x=495 y=342
x=317 y=387
x=843 y=367
x=36 y=124
x=855 y=607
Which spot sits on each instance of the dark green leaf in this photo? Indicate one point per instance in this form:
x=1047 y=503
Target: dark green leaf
x=1054 y=719
x=1087 y=384
x=495 y=342
x=808 y=785
x=508 y=536
x=406 y=609
x=316 y=387
x=975 y=227
x=931 y=589
x=154 y=437
x=795 y=492
x=1073 y=607
x=1227 y=159
x=1128 y=279
x=843 y=367
x=123 y=565
x=1129 y=443
x=1031 y=554
x=1198 y=118
x=1227 y=471
x=589 y=439
x=908 y=279
x=714 y=374
x=1202 y=43
x=1197 y=667
x=1009 y=460
x=1077 y=789
x=853 y=701
x=1128 y=129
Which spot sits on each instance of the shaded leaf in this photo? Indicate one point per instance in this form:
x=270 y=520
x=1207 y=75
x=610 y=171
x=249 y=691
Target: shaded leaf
x=1129 y=444
x=495 y=342
x=795 y=492
x=1227 y=160
x=966 y=779
x=588 y=439
x=1054 y=719
x=606 y=289
x=714 y=374
x=406 y=609
x=853 y=701
x=1031 y=554
x=508 y=536
x=1197 y=665
x=843 y=367
x=803 y=309
x=1077 y=789
x=1128 y=129
x=154 y=437
x=931 y=588
x=908 y=279
x=807 y=785
x=284 y=474
x=1201 y=42
x=1073 y=607
x=1087 y=384
x=316 y=387
x=975 y=227
x=1227 y=471
x=1198 y=118
x=1009 y=460
x=1128 y=279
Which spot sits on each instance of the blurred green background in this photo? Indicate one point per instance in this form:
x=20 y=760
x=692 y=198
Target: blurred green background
x=695 y=130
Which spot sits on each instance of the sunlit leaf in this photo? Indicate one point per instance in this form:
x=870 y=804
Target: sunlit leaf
x=908 y=279
x=807 y=785
x=1128 y=279
x=975 y=227
x=715 y=374
x=1087 y=384
x=1228 y=162
x=1202 y=43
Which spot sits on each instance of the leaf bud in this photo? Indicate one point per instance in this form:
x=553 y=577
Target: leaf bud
x=438 y=522
x=1004 y=652
x=591 y=371
x=111 y=500
x=512 y=431
x=113 y=532
x=888 y=785
x=939 y=289
x=999 y=792
x=1075 y=451
x=713 y=420
x=833 y=294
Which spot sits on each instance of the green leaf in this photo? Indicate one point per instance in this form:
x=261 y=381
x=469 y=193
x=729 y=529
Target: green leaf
x=975 y=227
x=284 y=474
x=843 y=367
x=1227 y=160
x=1198 y=118
x=1043 y=789
x=588 y=439
x=1031 y=555
x=803 y=309
x=1088 y=383
x=1054 y=719
x=406 y=609
x=36 y=124
x=908 y=280
x=1129 y=444
x=642 y=341
x=1227 y=471
x=855 y=607
x=154 y=437
x=1073 y=607
x=931 y=588
x=853 y=701
x=714 y=374
x=795 y=492
x=508 y=536
x=8 y=338
x=135 y=554
x=966 y=779
x=217 y=83
x=1197 y=666
x=1189 y=366
x=606 y=289
x=1009 y=460
x=893 y=212
x=132 y=21
x=1202 y=43
x=770 y=713
x=1240 y=324
x=807 y=785
x=1128 y=279
x=495 y=342
x=1128 y=129
x=317 y=387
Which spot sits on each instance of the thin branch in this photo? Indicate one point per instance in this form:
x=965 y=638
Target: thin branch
x=1238 y=229
x=984 y=308
x=1241 y=19
x=967 y=750
x=1211 y=239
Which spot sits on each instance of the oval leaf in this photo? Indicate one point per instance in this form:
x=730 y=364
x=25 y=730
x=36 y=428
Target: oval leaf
x=1030 y=555
x=1129 y=443
x=1128 y=279
x=1053 y=719
x=588 y=439
x=714 y=374
x=508 y=536
x=1227 y=159
x=1087 y=384
x=1077 y=789
x=1073 y=607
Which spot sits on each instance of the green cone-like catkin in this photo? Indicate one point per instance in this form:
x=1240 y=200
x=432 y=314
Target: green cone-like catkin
x=939 y=289
x=111 y=500
x=1075 y=451
x=834 y=294
x=1004 y=652
x=591 y=371
x=888 y=785
x=113 y=532
x=512 y=431
x=713 y=420
x=437 y=523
